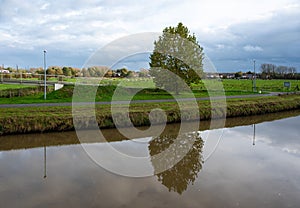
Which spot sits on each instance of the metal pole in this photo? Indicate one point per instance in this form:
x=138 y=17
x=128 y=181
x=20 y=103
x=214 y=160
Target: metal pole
x=2 y=68
x=254 y=78
x=17 y=73
x=45 y=76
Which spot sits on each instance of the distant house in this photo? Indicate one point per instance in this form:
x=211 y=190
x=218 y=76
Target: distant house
x=4 y=71
x=249 y=76
x=212 y=75
x=227 y=76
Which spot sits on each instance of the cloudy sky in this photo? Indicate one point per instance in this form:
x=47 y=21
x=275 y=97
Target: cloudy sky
x=232 y=32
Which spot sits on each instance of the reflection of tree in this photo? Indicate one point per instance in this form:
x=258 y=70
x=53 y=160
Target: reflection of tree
x=181 y=174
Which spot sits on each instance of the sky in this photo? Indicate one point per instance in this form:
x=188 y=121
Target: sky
x=233 y=33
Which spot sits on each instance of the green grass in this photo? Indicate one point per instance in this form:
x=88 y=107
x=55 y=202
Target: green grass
x=106 y=93
x=246 y=85
x=227 y=84
x=233 y=85
x=127 y=87
x=13 y=86
x=41 y=119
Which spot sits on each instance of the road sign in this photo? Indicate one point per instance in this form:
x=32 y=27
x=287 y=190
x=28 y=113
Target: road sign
x=287 y=84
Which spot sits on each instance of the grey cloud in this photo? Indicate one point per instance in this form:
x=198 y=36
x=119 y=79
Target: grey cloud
x=275 y=40
x=252 y=48
x=77 y=27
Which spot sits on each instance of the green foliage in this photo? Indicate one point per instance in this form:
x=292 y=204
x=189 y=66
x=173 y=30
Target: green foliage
x=238 y=74
x=123 y=72
x=13 y=86
x=57 y=70
x=67 y=71
x=176 y=59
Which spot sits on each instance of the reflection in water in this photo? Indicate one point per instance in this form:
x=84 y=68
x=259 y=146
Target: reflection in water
x=254 y=134
x=178 y=177
x=45 y=162
x=26 y=141
x=236 y=176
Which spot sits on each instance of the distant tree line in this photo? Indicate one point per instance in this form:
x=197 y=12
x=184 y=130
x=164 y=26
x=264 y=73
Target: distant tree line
x=271 y=71
x=93 y=71
x=57 y=70
x=103 y=71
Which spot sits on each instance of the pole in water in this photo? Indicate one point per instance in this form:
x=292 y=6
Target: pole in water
x=45 y=160
x=254 y=132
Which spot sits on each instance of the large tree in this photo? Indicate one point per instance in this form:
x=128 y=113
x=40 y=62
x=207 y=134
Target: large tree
x=176 y=61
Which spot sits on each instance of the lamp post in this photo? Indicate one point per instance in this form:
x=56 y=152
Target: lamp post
x=254 y=77
x=45 y=76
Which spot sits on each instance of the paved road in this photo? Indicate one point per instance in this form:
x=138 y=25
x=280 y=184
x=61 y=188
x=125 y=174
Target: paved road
x=33 y=82
x=134 y=101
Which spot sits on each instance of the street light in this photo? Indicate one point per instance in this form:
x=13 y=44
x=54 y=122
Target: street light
x=254 y=77
x=45 y=76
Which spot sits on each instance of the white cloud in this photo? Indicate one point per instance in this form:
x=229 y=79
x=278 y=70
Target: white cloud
x=59 y=27
x=44 y=6
x=220 y=46
x=85 y=26
x=251 y=48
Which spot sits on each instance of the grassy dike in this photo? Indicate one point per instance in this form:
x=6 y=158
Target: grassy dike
x=56 y=119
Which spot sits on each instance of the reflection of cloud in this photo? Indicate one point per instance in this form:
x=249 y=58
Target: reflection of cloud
x=281 y=134
x=237 y=172
x=293 y=151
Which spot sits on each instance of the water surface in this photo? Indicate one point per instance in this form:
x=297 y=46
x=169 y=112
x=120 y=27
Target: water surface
x=253 y=166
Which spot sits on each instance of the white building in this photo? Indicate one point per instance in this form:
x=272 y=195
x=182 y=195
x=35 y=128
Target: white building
x=4 y=71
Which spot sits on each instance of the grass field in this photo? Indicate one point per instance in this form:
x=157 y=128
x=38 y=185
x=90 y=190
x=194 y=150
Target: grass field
x=13 y=86
x=206 y=88
x=106 y=93
x=212 y=84
x=228 y=84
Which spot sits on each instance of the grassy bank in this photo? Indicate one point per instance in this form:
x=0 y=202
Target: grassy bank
x=105 y=93
x=16 y=94
x=47 y=119
x=25 y=141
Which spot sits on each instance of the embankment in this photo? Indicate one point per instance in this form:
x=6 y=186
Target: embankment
x=56 y=119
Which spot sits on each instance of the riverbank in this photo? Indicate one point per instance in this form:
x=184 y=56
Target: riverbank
x=59 y=118
x=27 y=141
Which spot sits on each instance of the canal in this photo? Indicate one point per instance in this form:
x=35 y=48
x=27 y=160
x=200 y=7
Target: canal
x=254 y=162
